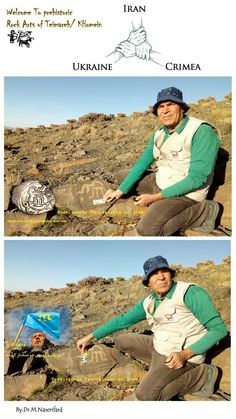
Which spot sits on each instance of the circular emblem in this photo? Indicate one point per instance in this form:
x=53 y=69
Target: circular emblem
x=33 y=198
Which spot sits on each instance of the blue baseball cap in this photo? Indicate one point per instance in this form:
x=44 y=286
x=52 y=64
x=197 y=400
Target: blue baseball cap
x=171 y=94
x=152 y=265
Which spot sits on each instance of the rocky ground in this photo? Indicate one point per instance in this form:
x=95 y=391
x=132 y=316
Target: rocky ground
x=72 y=157
x=109 y=375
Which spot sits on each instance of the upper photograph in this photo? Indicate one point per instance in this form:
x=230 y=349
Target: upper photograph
x=117 y=156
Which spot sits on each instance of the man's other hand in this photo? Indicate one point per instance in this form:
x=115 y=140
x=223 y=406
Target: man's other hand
x=148 y=199
x=177 y=360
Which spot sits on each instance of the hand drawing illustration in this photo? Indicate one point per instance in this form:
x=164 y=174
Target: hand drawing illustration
x=136 y=45
x=21 y=37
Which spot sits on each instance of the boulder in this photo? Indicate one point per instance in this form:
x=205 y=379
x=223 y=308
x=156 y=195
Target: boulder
x=80 y=198
x=131 y=372
x=18 y=222
x=124 y=209
x=23 y=385
x=101 y=359
x=223 y=361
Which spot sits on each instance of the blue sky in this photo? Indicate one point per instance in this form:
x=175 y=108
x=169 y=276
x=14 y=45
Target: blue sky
x=32 y=264
x=32 y=101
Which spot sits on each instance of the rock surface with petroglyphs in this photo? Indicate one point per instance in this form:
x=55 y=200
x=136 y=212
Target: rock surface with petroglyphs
x=80 y=196
x=107 y=373
x=95 y=148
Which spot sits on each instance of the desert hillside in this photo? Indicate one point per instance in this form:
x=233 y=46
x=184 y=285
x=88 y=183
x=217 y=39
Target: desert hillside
x=94 y=148
x=93 y=301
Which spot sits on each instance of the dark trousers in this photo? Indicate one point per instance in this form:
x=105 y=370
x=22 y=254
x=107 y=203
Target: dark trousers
x=166 y=217
x=161 y=382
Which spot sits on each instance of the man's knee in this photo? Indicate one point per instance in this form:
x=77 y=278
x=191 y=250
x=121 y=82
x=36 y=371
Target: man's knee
x=121 y=342
x=141 y=396
x=145 y=228
x=147 y=395
x=141 y=230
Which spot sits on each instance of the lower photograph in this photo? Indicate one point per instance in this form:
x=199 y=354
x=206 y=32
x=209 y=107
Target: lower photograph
x=117 y=320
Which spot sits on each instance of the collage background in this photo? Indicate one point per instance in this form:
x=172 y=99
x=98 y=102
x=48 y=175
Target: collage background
x=204 y=25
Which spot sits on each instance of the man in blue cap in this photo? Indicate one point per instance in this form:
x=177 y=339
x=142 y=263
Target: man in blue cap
x=185 y=325
x=185 y=149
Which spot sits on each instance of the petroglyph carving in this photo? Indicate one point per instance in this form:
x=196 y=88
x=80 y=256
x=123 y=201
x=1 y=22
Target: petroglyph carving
x=93 y=190
x=96 y=356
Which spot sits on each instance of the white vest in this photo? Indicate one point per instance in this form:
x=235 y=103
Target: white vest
x=174 y=326
x=173 y=158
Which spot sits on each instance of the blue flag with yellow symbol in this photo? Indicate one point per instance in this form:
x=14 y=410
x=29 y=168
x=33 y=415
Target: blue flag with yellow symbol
x=45 y=322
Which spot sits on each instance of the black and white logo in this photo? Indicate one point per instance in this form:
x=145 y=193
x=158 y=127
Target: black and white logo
x=22 y=38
